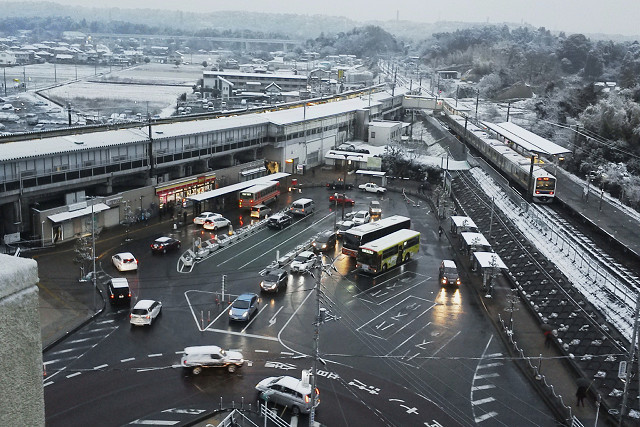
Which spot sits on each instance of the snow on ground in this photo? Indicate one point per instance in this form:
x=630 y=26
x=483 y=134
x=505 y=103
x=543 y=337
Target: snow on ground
x=590 y=288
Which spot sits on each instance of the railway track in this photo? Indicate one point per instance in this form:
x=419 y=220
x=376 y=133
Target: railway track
x=554 y=268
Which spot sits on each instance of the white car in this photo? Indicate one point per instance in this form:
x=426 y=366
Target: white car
x=361 y=217
x=144 y=312
x=372 y=188
x=303 y=262
x=289 y=392
x=210 y=356
x=216 y=223
x=125 y=261
x=204 y=216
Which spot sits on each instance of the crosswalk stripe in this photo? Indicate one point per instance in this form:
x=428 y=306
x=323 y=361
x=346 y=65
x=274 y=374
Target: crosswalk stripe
x=485 y=416
x=482 y=387
x=490 y=365
x=492 y=375
x=482 y=401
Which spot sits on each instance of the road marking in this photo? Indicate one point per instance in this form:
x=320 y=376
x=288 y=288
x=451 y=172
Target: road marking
x=264 y=337
x=69 y=350
x=75 y=374
x=482 y=387
x=403 y=342
x=261 y=351
x=100 y=367
x=490 y=365
x=127 y=360
x=154 y=355
x=485 y=416
x=155 y=422
x=483 y=401
x=480 y=377
x=272 y=321
x=254 y=318
x=287 y=353
x=289 y=320
x=105 y=322
x=447 y=343
x=79 y=340
x=47 y=383
x=492 y=356
x=281 y=243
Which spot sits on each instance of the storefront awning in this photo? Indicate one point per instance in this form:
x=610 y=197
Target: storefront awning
x=65 y=216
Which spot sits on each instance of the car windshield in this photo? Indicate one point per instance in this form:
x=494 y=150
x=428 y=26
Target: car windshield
x=344 y=227
x=323 y=238
x=301 y=258
x=241 y=304
x=272 y=277
x=360 y=215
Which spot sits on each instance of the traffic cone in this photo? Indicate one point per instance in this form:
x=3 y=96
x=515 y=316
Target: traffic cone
x=44 y=370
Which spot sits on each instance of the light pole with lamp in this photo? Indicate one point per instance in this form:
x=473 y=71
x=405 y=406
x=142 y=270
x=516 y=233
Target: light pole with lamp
x=42 y=233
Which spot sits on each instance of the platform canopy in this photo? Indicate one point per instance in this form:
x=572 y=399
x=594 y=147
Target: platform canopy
x=236 y=187
x=475 y=239
x=65 y=216
x=489 y=260
x=527 y=140
x=463 y=222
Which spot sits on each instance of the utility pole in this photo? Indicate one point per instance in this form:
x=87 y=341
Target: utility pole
x=93 y=252
x=477 y=99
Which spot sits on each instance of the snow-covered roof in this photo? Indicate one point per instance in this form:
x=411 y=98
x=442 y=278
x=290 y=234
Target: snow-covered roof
x=525 y=139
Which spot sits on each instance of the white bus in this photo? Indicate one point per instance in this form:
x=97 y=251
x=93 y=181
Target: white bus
x=259 y=194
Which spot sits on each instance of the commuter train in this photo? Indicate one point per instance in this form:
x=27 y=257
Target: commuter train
x=514 y=165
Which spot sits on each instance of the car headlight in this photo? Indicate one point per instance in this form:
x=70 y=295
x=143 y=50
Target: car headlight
x=245 y=314
x=230 y=312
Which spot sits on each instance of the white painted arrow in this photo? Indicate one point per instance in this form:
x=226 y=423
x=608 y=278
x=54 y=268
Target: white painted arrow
x=272 y=321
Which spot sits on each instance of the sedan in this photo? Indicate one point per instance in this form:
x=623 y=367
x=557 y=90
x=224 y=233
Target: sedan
x=361 y=217
x=144 y=312
x=274 y=280
x=303 y=262
x=325 y=241
x=125 y=261
x=342 y=226
x=341 y=199
x=244 y=307
x=204 y=216
x=216 y=223
x=164 y=244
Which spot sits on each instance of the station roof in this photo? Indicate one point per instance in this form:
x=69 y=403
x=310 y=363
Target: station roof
x=525 y=139
x=475 y=239
x=64 y=216
x=350 y=155
x=489 y=260
x=236 y=187
x=463 y=221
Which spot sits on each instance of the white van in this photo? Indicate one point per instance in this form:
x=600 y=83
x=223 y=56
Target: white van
x=260 y=211
x=303 y=207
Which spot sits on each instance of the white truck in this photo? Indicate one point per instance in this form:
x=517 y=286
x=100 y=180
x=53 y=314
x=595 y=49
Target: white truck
x=370 y=187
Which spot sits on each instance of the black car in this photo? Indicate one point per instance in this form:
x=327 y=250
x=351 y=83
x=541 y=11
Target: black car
x=119 y=292
x=280 y=220
x=325 y=241
x=339 y=185
x=164 y=244
x=274 y=280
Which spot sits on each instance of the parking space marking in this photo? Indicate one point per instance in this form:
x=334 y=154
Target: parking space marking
x=75 y=374
x=282 y=243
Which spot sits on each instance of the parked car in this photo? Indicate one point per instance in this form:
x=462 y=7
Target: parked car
x=274 y=279
x=144 y=312
x=244 y=307
x=361 y=217
x=215 y=223
x=341 y=199
x=303 y=262
x=372 y=188
x=339 y=185
x=289 y=392
x=196 y=358
x=342 y=226
x=375 y=209
x=280 y=220
x=325 y=241
x=200 y=219
x=119 y=291
x=125 y=261
x=164 y=244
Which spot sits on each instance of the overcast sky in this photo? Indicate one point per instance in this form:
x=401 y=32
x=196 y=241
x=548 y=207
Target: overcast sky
x=571 y=16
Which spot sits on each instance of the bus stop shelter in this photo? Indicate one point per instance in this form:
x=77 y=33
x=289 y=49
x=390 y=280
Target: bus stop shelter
x=490 y=264
x=472 y=242
x=460 y=224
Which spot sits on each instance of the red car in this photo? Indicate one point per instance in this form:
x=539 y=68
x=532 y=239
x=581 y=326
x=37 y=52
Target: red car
x=341 y=199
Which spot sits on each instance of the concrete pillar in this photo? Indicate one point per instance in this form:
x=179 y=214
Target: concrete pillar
x=22 y=399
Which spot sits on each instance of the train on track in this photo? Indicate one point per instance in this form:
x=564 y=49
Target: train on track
x=537 y=185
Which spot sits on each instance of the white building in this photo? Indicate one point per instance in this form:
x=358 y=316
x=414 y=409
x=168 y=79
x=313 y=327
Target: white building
x=7 y=58
x=384 y=133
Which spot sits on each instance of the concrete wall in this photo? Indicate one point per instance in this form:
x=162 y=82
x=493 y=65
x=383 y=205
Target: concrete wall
x=21 y=391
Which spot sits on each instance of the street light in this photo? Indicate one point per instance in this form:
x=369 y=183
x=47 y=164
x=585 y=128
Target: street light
x=42 y=233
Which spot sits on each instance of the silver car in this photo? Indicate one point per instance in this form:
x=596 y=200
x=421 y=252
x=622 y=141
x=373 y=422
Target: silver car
x=144 y=312
x=199 y=357
x=289 y=392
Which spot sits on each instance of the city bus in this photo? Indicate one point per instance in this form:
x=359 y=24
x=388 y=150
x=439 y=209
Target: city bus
x=386 y=252
x=365 y=233
x=259 y=194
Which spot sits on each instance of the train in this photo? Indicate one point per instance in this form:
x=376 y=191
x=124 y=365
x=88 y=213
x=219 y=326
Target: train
x=515 y=166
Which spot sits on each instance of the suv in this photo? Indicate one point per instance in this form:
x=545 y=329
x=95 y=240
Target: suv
x=119 y=292
x=273 y=280
x=325 y=241
x=279 y=220
x=288 y=392
x=210 y=356
x=303 y=262
x=448 y=274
